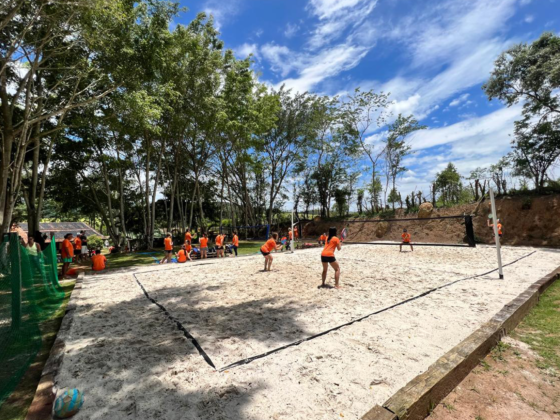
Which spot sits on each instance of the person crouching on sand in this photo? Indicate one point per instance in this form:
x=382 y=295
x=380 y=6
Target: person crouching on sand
x=182 y=255
x=267 y=248
x=405 y=240
x=332 y=244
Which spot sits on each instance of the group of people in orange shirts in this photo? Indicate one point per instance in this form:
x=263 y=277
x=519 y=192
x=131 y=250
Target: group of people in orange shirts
x=185 y=252
x=68 y=251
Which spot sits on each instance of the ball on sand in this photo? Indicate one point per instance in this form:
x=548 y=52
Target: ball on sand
x=68 y=403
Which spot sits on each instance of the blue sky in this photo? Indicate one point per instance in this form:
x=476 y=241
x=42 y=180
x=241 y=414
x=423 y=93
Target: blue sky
x=432 y=56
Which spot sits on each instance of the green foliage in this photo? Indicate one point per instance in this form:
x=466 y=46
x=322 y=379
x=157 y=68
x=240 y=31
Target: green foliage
x=95 y=242
x=448 y=184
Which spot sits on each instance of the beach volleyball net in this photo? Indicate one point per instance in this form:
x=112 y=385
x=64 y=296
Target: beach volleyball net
x=29 y=295
x=433 y=231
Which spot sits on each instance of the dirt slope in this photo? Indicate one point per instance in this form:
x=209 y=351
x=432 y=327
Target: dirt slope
x=529 y=221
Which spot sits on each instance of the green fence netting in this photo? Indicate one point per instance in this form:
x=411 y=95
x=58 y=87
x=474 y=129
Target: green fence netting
x=29 y=294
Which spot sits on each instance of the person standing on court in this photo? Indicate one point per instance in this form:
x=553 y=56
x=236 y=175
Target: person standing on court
x=66 y=253
x=219 y=246
x=235 y=242
x=204 y=246
x=327 y=257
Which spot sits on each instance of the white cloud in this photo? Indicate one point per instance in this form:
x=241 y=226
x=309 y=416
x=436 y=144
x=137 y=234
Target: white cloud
x=529 y=18
x=244 y=50
x=221 y=11
x=325 y=9
x=291 y=30
x=282 y=60
x=459 y=100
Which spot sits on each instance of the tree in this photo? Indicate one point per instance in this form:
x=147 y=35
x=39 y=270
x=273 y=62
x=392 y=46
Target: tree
x=396 y=148
x=394 y=197
x=535 y=149
x=448 y=184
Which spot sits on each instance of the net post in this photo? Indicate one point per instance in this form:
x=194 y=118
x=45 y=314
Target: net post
x=496 y=236
x=15 y=257
x=292 y=226
x=470 y=231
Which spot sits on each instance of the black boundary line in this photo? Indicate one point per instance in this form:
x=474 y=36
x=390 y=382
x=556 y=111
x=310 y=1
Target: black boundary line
x=296 y=343
x=178 y=323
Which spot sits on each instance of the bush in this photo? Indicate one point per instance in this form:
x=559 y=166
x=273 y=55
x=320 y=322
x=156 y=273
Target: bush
x=95 y=242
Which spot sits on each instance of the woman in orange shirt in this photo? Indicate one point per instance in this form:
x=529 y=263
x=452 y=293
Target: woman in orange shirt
x=235 y=242
x=168 y=242
x=327 y=257
x=220 y=246
x=182 y=255
x=204 y=246
x=66 y=253
x=405 y=240
x=267 y=248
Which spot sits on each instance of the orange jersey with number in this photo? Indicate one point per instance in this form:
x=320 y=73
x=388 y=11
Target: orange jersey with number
x=330 y=247
x=269 y=245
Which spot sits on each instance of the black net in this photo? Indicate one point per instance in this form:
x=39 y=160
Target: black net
x=29 y=294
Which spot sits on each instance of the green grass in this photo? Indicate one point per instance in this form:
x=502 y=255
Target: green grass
x=17 y=404
x=541 y=328
x=133 y=259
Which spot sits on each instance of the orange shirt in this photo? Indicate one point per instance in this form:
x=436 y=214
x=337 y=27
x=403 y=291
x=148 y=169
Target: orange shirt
x=204 y=242
x=168 y=244
x=296 y=232
x=219 y=240
x=405 y=237
x=499 y=228
x=322 y=238
x=66 y=250
x=330 y=247
x=235 y=240
x=78 y=243
x=188 y=237
x=290 y=235
x=182 y=256
x=99 y=262
x=189 y=248
x=269 y=245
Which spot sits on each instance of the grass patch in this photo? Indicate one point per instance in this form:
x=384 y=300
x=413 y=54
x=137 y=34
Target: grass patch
x=133 y=259
x=16 y=405
x=541 y=328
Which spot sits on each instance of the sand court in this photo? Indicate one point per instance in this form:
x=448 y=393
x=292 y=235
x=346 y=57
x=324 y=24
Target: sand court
x=130 y=358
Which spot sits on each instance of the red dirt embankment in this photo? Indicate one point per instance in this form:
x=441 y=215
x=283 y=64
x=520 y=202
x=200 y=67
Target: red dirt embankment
x=527 y=220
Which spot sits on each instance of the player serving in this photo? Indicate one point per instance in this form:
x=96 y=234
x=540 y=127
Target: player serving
x=327 y=257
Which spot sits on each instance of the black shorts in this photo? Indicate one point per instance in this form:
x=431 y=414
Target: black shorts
x=500 y=235
x=265 y=253
x=219 y=247
x=77 y=252
x=328 y=259
x=168 y=252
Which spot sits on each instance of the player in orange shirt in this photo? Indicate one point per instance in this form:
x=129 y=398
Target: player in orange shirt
x=168 y=244
x=235 y=242
x=267 y=248
x=327 y=257
x=188 y=237
x=66 y=253
x=220 y=245
x=78 y=248
x=99 y=262
x=183 y=255
x=499 y=225
x=405 y=240
x=204 y=246
x=322 y=239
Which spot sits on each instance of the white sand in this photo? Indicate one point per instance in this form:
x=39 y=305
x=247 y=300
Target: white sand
x=132 y=362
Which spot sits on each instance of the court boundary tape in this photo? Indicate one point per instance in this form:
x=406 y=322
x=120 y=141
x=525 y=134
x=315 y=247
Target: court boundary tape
x=248 y=360
x=178 y=323
x=296 y=343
